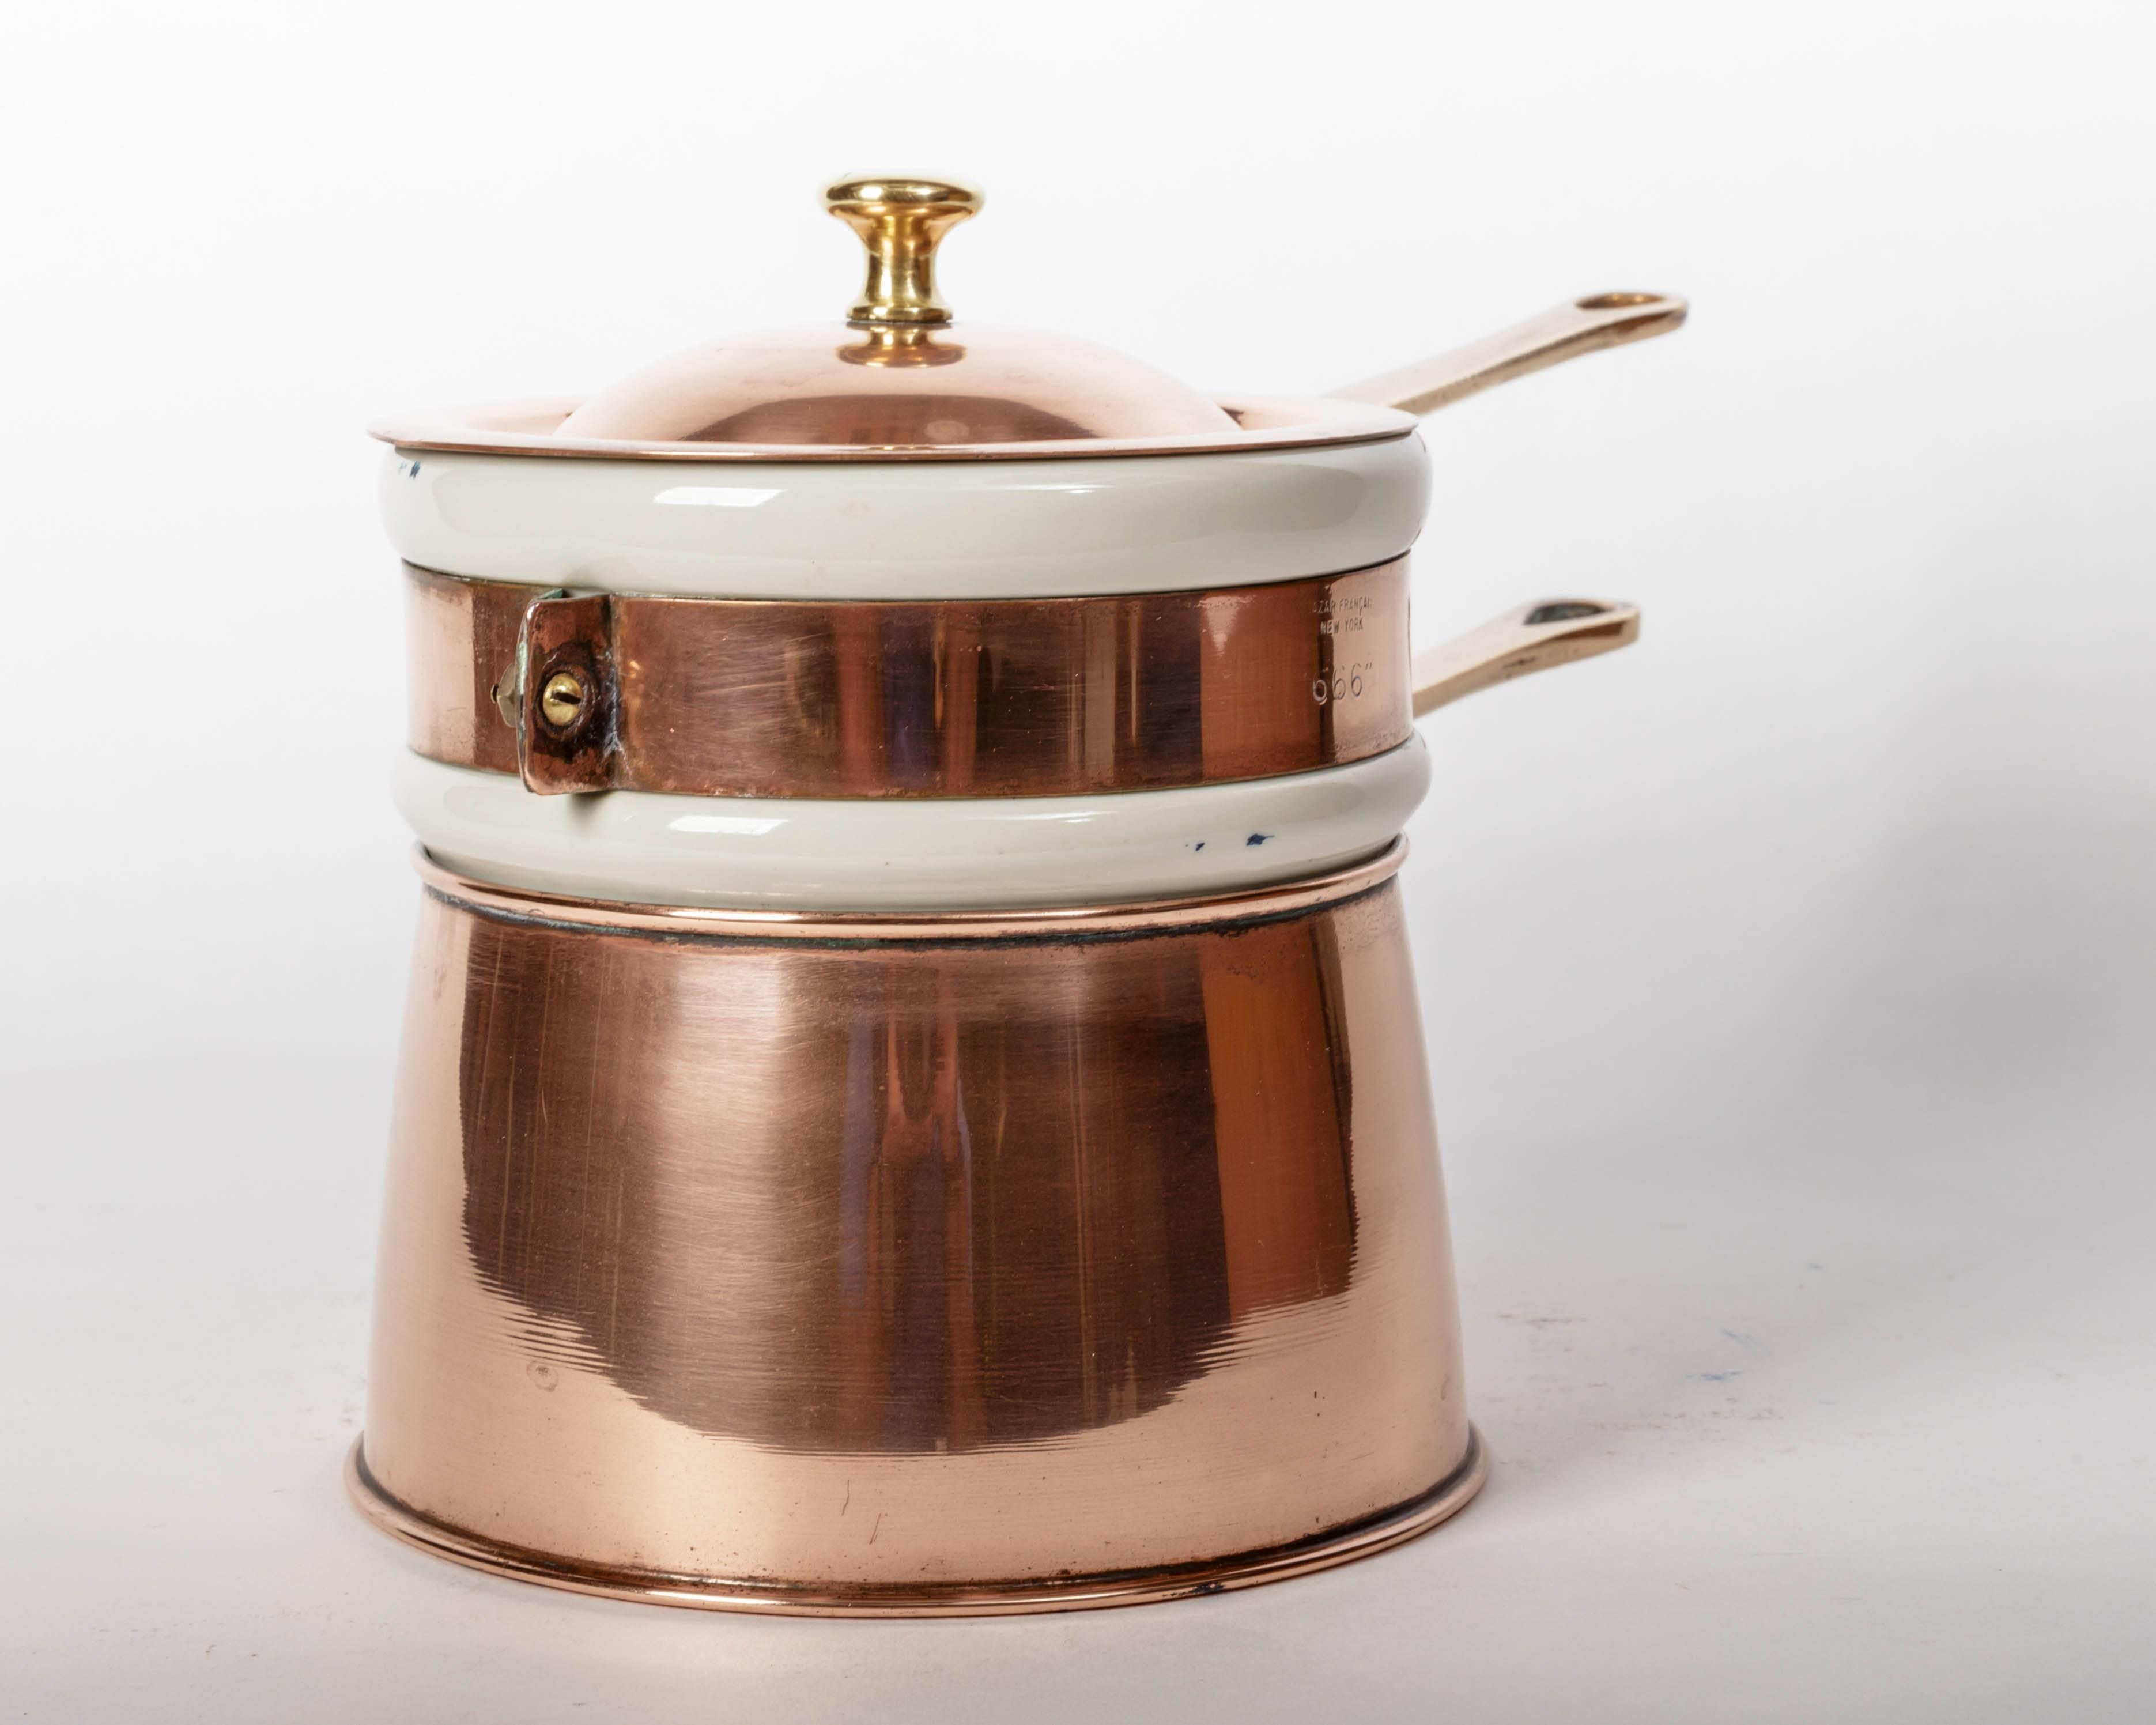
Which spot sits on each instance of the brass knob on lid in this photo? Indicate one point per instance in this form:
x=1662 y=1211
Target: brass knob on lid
x=901 y=221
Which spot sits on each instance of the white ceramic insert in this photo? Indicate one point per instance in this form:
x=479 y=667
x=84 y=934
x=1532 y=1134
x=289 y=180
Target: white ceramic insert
x=925 y=853
x=917 y=530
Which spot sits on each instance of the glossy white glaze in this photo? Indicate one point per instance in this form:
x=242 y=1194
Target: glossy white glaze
x=910 y=854
x=909 y=530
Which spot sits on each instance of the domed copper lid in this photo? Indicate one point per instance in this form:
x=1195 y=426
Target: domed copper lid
x=899 y=379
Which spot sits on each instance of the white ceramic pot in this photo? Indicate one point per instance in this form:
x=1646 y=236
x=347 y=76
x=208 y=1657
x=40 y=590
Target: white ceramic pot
x=927 y=531
x=912 y=530
x=907 y=458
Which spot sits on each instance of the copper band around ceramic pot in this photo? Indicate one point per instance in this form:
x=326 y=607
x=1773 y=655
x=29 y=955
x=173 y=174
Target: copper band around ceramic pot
x=948 y=698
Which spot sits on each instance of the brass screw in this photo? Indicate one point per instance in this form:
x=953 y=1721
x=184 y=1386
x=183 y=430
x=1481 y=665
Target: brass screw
x=561 y=701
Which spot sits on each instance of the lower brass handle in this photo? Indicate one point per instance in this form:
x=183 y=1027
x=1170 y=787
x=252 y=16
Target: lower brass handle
x=1536 y=637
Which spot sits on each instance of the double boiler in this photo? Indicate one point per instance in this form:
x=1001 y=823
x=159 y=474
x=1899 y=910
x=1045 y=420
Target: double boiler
x=912 y=1096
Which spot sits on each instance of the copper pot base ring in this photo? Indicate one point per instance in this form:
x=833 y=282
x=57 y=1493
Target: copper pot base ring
x=1078 y=1593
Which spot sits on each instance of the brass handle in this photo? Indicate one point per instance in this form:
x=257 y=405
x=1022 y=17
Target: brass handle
x=1564 y=332
x=901 y=221
x=1537 y=637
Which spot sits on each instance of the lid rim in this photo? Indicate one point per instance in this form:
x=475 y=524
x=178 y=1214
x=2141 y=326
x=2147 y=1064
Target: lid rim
x=1312 y=423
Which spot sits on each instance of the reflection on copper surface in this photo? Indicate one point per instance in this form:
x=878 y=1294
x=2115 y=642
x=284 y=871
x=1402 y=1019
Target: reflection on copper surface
x=951 y=1217
x=456 y=651
x=802 y=390
x=887 y=421
x=972 y=698
x=855 y=1264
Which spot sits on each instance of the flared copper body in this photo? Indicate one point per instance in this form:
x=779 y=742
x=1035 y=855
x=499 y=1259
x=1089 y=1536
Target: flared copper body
x=972 y=1263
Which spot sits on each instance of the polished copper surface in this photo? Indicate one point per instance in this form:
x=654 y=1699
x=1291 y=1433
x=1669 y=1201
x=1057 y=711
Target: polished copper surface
x=1132 y=1587
x=951 y=698
x=999 y=1263
x=456 y=650
x=894 y=391
x=747 y=427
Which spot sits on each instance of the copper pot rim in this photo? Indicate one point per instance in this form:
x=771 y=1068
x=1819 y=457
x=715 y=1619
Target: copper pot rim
x=1053 y=923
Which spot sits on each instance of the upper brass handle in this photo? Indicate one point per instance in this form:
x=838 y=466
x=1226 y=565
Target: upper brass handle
x=1566 y=332
x=1533 y=638
x=902 y=220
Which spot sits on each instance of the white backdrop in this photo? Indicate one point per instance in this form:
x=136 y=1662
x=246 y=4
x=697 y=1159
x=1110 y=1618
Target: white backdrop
x=1788 y=979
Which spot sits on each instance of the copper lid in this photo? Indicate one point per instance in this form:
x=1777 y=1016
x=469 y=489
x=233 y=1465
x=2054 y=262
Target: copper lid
x=898 y=379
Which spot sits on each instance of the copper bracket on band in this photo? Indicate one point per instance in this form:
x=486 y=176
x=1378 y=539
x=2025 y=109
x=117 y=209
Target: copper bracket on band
x=876 y=698
x=567 y=701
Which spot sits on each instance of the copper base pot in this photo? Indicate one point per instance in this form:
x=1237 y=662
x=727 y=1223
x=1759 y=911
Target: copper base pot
x=967 y=1263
